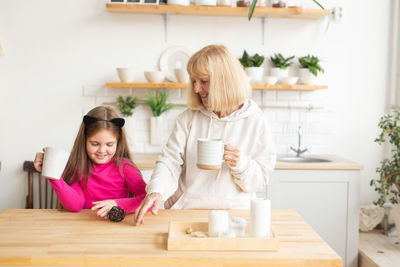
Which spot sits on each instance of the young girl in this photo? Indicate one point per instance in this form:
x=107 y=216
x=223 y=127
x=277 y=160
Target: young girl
x=99 y=173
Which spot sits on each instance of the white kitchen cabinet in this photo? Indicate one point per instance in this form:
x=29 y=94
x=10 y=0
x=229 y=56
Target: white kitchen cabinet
x=328 y=200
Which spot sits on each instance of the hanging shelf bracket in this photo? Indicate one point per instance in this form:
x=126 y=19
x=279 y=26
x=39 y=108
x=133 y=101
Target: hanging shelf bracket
x=166 y=25
x=264 y=21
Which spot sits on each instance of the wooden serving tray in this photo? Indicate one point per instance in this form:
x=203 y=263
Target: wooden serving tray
x=178 y=239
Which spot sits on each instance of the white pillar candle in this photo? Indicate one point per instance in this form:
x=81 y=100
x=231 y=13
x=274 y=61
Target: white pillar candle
x=218 y=223
x=260 y=218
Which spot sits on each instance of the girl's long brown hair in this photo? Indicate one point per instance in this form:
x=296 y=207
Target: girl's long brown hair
x=79 y=162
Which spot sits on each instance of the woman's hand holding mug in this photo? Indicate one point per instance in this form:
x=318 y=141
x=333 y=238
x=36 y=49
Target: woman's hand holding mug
x=231 y=154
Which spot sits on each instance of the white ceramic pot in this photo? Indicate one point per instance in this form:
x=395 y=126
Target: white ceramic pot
x=278 y=72
x=255 y=74
x=178 y=2
x=154 y=76
x=306 y=76
x=396 y=217
x=156 y=131
x=224 y=2
x=206 y=2
x=288 y=80
x=126 y=75
x=270 y=79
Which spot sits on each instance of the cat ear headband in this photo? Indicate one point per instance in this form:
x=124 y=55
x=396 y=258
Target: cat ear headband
x=117 y=121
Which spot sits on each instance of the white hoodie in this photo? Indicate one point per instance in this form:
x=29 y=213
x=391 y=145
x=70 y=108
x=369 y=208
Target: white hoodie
x=176 y=175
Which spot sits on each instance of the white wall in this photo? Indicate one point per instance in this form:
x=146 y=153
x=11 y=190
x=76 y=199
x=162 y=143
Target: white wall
x=59 y=54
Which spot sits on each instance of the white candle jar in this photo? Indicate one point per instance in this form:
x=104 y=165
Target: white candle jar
x=218 y=223
x=260 y=218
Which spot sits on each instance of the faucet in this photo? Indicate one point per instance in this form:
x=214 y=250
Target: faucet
x=299 y=151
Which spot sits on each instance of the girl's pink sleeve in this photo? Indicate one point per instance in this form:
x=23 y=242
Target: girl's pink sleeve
x=136 y=185
x=70 y=196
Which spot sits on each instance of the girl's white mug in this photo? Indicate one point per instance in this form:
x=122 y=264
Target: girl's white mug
x=54 y=162
x=210 y=153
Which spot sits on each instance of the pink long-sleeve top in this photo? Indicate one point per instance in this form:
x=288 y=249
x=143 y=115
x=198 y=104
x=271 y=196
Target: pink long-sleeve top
x=105 y=182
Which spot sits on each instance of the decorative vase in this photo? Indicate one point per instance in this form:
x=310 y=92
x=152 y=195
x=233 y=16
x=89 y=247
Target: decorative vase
x=255 y=74
x=156 y=131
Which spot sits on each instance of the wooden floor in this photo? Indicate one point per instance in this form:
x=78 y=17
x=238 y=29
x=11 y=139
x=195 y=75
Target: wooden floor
x=377 y=249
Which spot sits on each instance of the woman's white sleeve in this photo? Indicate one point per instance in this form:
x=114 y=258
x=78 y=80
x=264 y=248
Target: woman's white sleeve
x=169 y=165
x=253 y=171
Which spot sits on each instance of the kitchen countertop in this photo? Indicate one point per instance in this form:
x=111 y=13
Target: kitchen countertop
x=46 y=237
x=147 y=161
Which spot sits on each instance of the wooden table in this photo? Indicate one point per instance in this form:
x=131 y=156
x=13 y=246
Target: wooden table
x=62 y=238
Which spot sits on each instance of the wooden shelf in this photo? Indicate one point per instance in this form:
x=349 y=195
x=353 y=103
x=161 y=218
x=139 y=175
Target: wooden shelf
x=259 y=12
x=145 y=85
x=295 y=87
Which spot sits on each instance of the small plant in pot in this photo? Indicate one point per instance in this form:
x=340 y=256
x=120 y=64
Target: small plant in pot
x=280 y=65
x=252 y=66
x=388 y=184
x=158 y=105
x=126 y=106
x=309 y=69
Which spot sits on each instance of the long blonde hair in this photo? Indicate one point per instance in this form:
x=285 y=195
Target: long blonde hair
x=229 y=87
x=79 y=162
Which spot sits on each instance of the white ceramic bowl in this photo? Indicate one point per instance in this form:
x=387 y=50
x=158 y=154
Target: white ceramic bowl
x=206 y=2
x=126 y=75
x=182 y=75
x=288 y=80
x=270 y=79
x=178 y=2
x=310 y=80
x=154 y=76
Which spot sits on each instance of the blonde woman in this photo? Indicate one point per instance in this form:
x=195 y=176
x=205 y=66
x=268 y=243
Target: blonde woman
x=219 y=107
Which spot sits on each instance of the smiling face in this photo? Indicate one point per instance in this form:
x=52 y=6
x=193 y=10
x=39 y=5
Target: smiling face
x=101 y=146
x=201 y=86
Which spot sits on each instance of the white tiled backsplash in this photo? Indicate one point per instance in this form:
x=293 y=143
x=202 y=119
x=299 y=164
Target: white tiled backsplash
x=284 y=110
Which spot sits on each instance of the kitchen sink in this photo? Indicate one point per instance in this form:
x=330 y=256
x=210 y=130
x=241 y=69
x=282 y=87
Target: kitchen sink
x=303 y=160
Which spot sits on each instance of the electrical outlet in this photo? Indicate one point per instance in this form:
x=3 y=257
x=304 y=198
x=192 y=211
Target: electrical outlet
x=337 y=13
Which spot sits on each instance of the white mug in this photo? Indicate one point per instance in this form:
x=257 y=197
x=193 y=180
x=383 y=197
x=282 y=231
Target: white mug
x=210 y=153
x=54 y=162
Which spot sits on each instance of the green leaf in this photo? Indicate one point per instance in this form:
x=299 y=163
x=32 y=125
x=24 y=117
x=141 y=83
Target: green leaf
x=280 y=61
x=251 y=10
x=125 y=106
x=315 y=1
x=158 y=104
x=251 y=61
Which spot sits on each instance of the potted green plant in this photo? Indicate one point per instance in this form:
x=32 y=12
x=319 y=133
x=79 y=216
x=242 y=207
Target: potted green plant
x=388 y=183
x=252 y=66
x=126 y=106
x=158 y=105
x=309 y=69
x=280 y=65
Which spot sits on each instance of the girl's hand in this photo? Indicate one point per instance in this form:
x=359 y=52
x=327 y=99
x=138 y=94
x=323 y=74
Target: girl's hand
x=38 y=161
x=153 y=199
x=103 y=207
x=231 y=154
